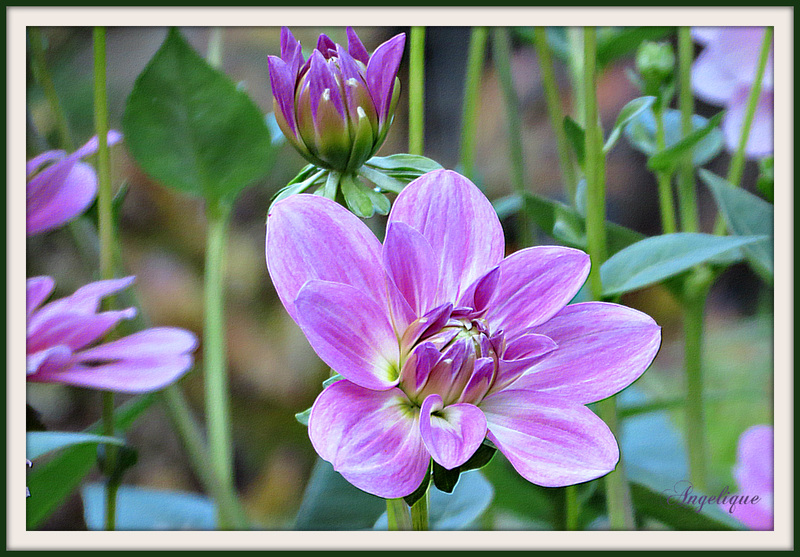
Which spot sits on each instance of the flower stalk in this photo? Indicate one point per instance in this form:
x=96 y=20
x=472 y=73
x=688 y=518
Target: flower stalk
x=398 y=514
x=419 y=512
x=469 y=119
x=664 y=178
x=687 y=196
x=416 y=92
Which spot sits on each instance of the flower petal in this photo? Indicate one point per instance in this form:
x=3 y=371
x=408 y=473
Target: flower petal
x=458 y=222
x=282 y=81
x=291 y=51
x=760 y=141
x=371 y=437
x=602 y=348
x=549 y=440
x=154 y=342
x=754 y=460
x=62 y=198
x=381 y=71
x=712 y=80
x=350 y=332
x=451 y=434
x=37 y=290
x=535 y=283
x=75 y=330
x=356 y=48
x=409 y=261
x=521 y=354
x=311 y=237
x=33 y=165
x=50 y=359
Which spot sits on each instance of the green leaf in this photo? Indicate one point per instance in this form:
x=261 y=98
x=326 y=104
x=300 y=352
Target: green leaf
x=576 y=137
x=421 y=490
x=331 y=503
x=657 y=258
x=149 y=509
x=766 y=178
x=188 y=126
x=667 y=159
x=52 y=481
x=42 y=442
x=746 y=215
x=458 y=510
x=614 y=43
x=356 y=198
x=628 y=113
x=641 y=134
x=403 y=162
x=383 y=181
x=446 y=480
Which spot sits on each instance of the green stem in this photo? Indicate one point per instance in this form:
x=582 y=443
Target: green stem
x=617 y=493
x=575 y=37
x=416 y=92
x=214 y=350
x=687 y=196
x=42 y=75
x=214 y=52
x=398 y=514
x=469 y=119
x=572 y=508
x=664 y=178
x=419 y=513
x=555 y=113
x=501 y=42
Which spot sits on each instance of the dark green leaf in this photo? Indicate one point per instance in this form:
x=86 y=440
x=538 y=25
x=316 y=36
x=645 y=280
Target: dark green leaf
x=33 y=420
x=331 y=503
x=746 y=215
x=445 y=480
x=420 y=492
x=42 y=442
x=189 y=127
x=641 y=134
x=766 y=178
x=657 y=258
x=614 y=43
x=628 y=113
x=667 y=159
x=576 y=137
x=149 y=509
x=481 y=458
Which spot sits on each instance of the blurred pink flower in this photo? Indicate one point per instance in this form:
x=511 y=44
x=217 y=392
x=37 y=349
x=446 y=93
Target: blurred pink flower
x=62 y=190
x=61 y=334
x=754 y=476
x=442 y=342
x=724 y=73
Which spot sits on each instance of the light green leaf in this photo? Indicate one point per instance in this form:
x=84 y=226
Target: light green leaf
x=628 y=113
x=189 y=127
x=42 y=442
x=383 y=181
x=660 y=257
x=671 y=156
x=641 y=134
x=358 y=201
x=404 y=162
x=746 y=215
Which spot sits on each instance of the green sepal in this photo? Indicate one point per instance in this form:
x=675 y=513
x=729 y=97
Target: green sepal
x=356 y=196
x=363 y=144
x=303 y=416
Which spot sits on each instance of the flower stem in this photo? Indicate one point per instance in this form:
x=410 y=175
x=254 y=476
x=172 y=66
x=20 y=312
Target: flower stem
x=419 y=513
x=416 y=92
x=687 y=196
x=617 y=494
x=572 y=508
x=664 y=178
x=469 y=119
x=42 y=75
x=398 y=515
x=214 y=347
x=501 y=42
x=555 y=113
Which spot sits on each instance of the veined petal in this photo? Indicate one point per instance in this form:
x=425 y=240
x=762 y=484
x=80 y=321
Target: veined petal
x=458 y=222
x=57 y=203
x=356 y=48
x=381 y=71
x=37 y=290
x=154 y=342
x=550 y=441
x=754 y=461
x=371 y=437
x=409 y=261
x=602 y=348
x=451 y=434
x=534 y=284
x=291 y=51
x=310 y=237
x=85 y=300
x=282 y=81
x=75 y=330
x=50 y=359
x=350 y=332
x=520 y=355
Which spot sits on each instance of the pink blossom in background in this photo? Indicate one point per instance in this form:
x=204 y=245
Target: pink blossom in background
x=62 y=341
x=64 y=189
x=443 y=342
x=723 y=74
x=754 y=476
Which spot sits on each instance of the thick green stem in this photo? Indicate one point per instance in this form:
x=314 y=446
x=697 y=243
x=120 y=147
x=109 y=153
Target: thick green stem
x=575 y=62
x=571 y=508
x=617 y=493
x=416 y=92
x=42 y=75
x=664 y=178
x=398 y=514
x=469 y=119
x=687 y=196
x=555 y=113
x=419 y=513
x=501 y=42
x=214 y=350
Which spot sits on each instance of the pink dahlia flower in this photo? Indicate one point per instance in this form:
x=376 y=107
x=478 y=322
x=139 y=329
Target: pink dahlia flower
x=62 y=338
x=753 y=473
x=724 y=73
x=64 y=189
x=443 y=343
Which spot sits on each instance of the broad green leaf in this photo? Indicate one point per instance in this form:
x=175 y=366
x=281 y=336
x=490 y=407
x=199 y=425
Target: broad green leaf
x=576 y=138
x=331 y=503
x=52 y=481
x=657 y=258
x=458 y=510
x=149 y=509
x=621 y=41
x=746 y=215
x=628 y=113
x=671 y=156
x=641 y=134
x=189 y=127
x=42 y=442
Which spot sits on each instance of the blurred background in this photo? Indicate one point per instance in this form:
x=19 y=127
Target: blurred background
x=274 y=372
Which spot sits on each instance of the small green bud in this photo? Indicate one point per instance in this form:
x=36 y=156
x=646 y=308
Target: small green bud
x=655 y=62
